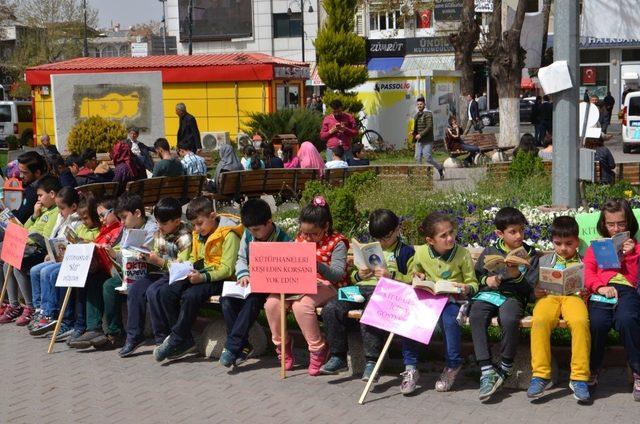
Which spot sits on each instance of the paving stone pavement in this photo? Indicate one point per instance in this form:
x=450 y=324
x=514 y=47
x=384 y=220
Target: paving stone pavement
x=99 y=387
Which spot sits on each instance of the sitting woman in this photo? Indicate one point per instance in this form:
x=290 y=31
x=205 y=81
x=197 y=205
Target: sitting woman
x=546 y=153
x=527 y=145
x=289 y=158
x=604 y=157
x=127 y=166
x=454 y=142
x=228 y=162
x=271 y=160
x=310 y=158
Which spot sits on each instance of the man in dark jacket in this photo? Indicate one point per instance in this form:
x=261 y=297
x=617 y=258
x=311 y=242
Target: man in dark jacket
x=545 y=118
x=473 y=114
x=32 y=167
x=423 y=136
x=138 y=148
x=188 y=130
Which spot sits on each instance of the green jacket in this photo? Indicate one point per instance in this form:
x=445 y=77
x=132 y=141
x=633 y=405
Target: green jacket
x=456 y=266
x=423 y=125
x=44 y=224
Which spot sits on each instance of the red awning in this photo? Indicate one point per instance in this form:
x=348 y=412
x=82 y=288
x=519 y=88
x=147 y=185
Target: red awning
x=174 y=68
x=527 y=84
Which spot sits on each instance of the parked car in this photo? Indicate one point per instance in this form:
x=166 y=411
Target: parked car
x=492 y=117
x=631 y=122
x=16 y=118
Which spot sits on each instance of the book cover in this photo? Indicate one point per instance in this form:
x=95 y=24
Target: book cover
x=369 y=255
x=436 y=287
x=607 y=250
x=56 y=248
x=562 y=282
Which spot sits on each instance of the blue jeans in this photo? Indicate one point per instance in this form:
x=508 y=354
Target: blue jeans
x=451 y=336
x=37 y=276
x=423 y=150
x=239 y=317
x=51 y=298
x=75 y=316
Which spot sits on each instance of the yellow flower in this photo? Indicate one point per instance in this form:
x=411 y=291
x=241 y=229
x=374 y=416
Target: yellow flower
x=628 y=193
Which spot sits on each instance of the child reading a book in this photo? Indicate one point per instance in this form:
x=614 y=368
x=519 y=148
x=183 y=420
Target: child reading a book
x=441 y=259
x=240 y=314
x=316 y=226
x=101 y=266
x=215 y=243
x=504 y=292
x=384 y=226
x=102 y=298
x=44 y=296
x=171 y=242
x=615 y=302
x=40 y=226
x=547 y=312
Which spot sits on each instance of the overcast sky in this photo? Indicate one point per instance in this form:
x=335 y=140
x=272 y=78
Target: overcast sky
x=127 y=12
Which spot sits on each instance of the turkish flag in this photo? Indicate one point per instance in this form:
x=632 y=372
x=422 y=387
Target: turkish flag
x=424 y=18
x=589 y=75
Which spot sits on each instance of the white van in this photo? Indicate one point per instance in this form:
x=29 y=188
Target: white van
x=16 y=118
x=631 y=122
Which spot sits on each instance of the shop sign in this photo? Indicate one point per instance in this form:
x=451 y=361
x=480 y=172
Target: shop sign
x=447 y=10
x=483 y=6
x=288 y=72
x=386 y=48
x=429 y=45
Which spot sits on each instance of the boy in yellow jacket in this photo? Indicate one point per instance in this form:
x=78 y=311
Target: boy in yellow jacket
x=216 y=240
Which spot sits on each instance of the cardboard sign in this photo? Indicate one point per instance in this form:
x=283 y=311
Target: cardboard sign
x=588 y=223
x=15 y=241
x=75 y=265
x=288 y=268
x=399 y=308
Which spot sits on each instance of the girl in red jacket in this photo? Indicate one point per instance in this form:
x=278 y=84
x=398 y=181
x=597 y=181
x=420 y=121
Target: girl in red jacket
x=615 y=302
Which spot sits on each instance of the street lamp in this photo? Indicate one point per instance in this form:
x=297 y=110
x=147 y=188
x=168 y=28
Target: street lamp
x=290 y=12
x=164 y=27
x=85 y=49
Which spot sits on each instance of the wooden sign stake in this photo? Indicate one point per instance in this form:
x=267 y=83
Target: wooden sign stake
x=6 y=280
x=283 y=341
x=376 y=368
x=67 y=295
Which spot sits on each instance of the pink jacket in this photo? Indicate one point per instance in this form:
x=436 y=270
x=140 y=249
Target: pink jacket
x=594 y=277
x=342 y=137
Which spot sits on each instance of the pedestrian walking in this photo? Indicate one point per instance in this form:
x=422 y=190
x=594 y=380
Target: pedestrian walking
x=473 y=115
x=423 y=136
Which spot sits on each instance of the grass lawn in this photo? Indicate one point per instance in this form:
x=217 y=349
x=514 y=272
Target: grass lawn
x=400 y=157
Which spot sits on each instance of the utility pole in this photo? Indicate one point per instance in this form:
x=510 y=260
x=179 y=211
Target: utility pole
x=190 y=27
x=85 y=49
x=565 y=190
x=164 y=27
x=302 y=23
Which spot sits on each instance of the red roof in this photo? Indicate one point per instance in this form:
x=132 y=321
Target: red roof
x=202 y=68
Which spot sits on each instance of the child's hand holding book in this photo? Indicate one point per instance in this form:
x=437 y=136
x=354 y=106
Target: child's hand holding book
x=628 y=246
x=365 y=273
x=381 y=273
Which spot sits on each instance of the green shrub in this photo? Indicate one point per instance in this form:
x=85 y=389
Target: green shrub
x=305 y=124
x=97 y=133
x=349 y=101
x=524 y=167
x=12 y=142
x=597 y=194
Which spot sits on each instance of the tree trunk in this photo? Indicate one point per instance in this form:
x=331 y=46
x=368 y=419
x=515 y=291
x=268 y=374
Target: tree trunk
x=546 y=11
x=509 y=121
x=464 y=42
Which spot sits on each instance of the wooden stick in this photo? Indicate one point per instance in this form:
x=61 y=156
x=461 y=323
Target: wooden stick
x=6 y=280
x=283 y=337
x=67 y=295
x=376 y=368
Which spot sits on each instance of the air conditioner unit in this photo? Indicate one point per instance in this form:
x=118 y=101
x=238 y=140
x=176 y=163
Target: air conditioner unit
x=213 y=140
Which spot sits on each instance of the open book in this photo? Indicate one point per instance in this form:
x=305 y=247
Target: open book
x=178 y=271
x=72 y=237
x=7 y=216
x=56 y=248
x=134 y=240
x=232 y=289
x=562 y=281
x=516 y=257
x=368 y=255
x=436 y=287
x=607 y=250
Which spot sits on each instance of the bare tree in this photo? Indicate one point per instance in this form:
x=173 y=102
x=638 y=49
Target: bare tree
x=546 y=11
x=506 y=57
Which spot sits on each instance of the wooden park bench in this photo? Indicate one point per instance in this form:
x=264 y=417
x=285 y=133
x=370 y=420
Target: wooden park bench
x=629 y=172
x=100 y=190
x=183 y=188
x=486 y=143
x=235 y=185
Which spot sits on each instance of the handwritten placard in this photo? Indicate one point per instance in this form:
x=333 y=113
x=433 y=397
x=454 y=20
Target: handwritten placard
x=399 y=308
x=75 y=265
x=15 y=241
x=288 y=268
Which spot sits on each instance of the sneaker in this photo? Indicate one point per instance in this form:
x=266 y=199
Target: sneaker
x=75 y=336
x=368 y=371
x=447 y=378
x=10 y=314
x=129 y=347
x=108 y=342
x=227 y=358
x=409 y=381
x=490 y=382
x=84 y=341
x=167 y=351
x=64 y=333
x=334 y=365
x=37 y=316
x=317 y=359
x=43 y=326
x=3 y=307
x=636 y=387
x=25 y=317
x=441 y=173
x=581 y=391
x=288 y=355
x=245 y=353
x=537 y=386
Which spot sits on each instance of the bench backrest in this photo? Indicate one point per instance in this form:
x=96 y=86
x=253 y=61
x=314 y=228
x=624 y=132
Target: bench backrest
x=100 y=190
x=483 y=141
x=337 y=176
x=183 y=188
x=264 y=181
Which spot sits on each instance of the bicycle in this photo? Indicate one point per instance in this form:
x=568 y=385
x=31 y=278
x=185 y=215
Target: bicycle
x=372 y=137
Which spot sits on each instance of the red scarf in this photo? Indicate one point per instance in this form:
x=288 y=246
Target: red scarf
x=324 y=250
x=121 y=153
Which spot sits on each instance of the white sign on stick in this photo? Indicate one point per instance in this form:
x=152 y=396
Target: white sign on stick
x=555 y=77
x=75 y=265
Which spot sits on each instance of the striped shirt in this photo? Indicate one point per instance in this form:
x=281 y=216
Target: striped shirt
x=193 y=164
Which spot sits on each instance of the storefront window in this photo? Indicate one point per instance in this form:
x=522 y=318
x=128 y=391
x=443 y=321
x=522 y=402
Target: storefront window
x=594 y=56
x=595 y=79
x=287 y=96
x=631 y=55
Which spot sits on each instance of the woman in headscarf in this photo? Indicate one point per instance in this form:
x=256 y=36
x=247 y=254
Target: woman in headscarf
x=127 y=166
x=228 y=162
x=310 y=158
